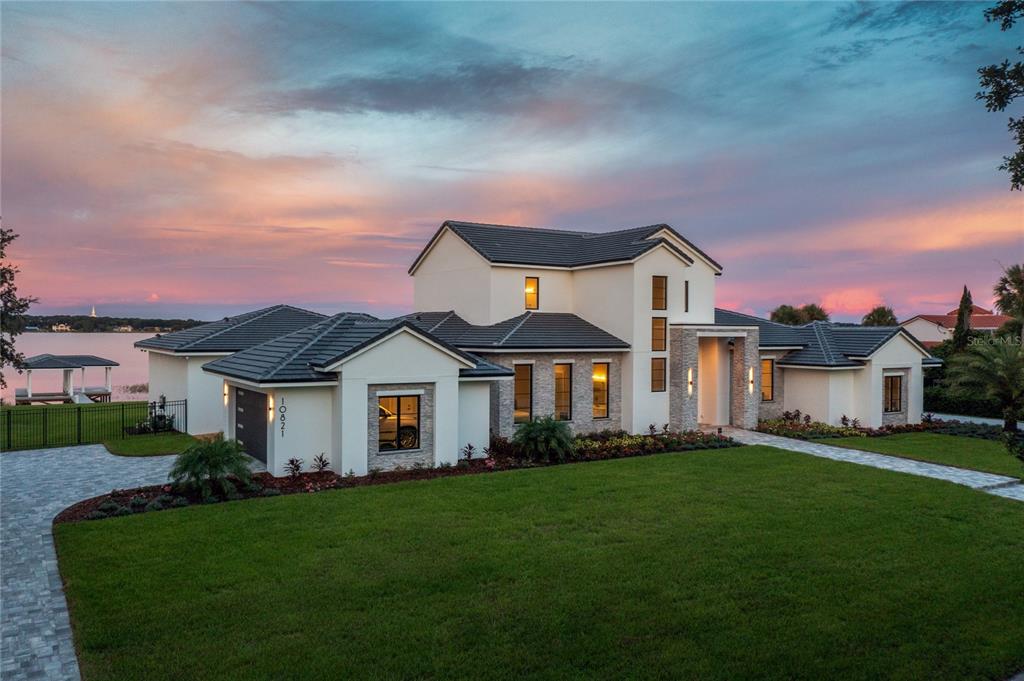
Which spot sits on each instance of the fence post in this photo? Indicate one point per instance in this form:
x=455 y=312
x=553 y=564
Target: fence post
x=184 y=411
x=78 y=419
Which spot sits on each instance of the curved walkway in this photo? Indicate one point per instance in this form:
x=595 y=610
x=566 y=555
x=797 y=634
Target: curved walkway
x=999 y=485
x=34 y=487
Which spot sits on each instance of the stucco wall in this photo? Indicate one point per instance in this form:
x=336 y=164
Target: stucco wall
x=474 y=415
x=583 y=420
x=205 y=397
x=924 y=330
x=454 y=277
x=168 y=376
x=305 y=414
x=508 y=297
x=807 y=391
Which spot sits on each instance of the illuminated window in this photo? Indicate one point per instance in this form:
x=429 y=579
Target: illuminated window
x=523 y=393
x=600 y=380
x=563 y=392
x=659 y=333
x=657 y=374
x=767 y=380
x=532 y=292
x=893 y=396
x=399 y=422
x=659 y=293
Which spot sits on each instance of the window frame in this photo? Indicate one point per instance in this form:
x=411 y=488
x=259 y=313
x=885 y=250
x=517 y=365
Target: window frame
x=535 y=294
x=771 y=376
x=887 y=393
x=398 y=426
x=664 y=334
x=515 y=394
x=566 y=366
x=664 y=292
x=664 y=374
x=606 y=390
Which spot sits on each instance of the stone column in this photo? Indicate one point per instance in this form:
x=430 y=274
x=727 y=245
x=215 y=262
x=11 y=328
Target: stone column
x=746 y=395
x=682 y=365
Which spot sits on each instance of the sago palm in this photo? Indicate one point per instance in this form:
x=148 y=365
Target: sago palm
x=992 y=369
x=206 y=465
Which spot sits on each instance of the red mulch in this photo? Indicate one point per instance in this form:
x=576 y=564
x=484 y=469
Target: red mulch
x=304 y=483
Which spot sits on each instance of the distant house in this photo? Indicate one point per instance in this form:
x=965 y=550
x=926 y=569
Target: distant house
x=932 y=329
x=60 y=328
x=127 y=328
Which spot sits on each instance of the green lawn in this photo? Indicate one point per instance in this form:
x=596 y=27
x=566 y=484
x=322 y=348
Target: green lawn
x=951 y=450
x=150 y=445
x=60 y=425
x=725 y=564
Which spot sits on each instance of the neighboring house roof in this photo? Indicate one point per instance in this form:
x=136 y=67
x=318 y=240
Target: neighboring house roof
x=236 y=333
x=48 y=361
x=980 y=318
x=528 y=331
x=821 y=344
x=302 y=356
x=507 y=244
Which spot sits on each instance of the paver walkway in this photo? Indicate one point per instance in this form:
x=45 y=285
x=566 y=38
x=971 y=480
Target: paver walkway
x=34 y=487
x=1000 y=485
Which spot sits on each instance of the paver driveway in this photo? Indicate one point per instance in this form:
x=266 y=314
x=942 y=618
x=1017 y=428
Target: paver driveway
x=34 y=487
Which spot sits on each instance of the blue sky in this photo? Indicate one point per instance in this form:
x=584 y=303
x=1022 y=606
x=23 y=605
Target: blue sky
x=214 y=157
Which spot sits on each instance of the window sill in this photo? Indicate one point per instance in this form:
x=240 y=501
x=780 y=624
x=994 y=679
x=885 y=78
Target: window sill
x=388 y=452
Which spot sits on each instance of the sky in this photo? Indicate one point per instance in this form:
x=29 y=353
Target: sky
x=198 y=160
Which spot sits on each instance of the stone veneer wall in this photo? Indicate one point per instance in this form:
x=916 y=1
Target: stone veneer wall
x=502 y=392
x=746 y=402
x=683 y=345
x=773 y=409
x=896 y=417
x=389 y=460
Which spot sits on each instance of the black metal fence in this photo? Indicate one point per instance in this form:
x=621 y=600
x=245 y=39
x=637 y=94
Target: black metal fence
x=74 y=424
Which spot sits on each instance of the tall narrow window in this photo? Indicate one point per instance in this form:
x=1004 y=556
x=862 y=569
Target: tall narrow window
x=657 y=374
x=532 y=293
x=893 y=396
x=659 y=333
x=601 y=377
x=523 y=408
x=563 y=392
x=686 y=296
x=398 y=418
x=767 y=380
x=659 y=293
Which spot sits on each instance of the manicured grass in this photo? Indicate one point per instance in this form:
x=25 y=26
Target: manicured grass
x=951 y=450
x=742 y=563
x=60 y=425
x=150 y=445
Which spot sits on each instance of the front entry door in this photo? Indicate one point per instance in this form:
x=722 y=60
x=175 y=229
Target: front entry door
x=251 y=422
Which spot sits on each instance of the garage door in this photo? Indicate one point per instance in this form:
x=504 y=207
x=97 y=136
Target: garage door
x=251 y=422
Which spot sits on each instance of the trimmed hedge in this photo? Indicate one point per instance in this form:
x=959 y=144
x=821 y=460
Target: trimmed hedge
x=938 y=399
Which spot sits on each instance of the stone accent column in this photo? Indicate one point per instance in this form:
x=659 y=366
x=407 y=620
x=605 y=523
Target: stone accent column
x=682 y=358
x=745 y=401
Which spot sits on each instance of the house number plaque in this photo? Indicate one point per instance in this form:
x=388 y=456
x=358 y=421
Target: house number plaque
x=282 y=410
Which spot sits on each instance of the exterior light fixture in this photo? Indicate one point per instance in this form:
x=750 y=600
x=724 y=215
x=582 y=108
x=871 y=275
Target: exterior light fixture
x=750 y=380
x=225 y=393
x=689 y=381
x=270 y=408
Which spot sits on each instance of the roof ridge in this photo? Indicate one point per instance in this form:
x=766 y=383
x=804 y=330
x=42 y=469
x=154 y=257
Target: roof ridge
x=332 y=324
x=534 y=229
x=624 y=230
x=443 y=320
x=826 y=347
x=760 y=319
x=526 y=315
x=257 y=314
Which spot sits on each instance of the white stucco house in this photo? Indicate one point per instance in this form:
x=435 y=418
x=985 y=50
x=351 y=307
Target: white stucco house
x=615 y=330
x=932 y=329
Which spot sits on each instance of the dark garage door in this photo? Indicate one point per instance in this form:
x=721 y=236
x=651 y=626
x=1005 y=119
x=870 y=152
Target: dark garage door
x=251 y=422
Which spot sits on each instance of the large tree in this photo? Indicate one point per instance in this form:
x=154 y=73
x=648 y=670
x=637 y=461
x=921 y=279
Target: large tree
x=962 y=330
x=12 y=308
x=795 y=316
x=1009 y=291
x=880 y=316
x=1002 y=83
x=993 y=370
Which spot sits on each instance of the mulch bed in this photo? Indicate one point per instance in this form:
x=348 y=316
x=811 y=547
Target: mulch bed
x=304 y=483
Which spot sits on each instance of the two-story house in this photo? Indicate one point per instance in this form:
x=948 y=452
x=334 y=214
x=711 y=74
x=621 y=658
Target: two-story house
x=613 y=330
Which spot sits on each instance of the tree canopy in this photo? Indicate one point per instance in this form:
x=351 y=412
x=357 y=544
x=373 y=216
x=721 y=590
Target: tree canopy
x=963 y=321
x=12 y=308
x=1002 y=83
x=795 y=316
x=1009 y=292
x=880 y=316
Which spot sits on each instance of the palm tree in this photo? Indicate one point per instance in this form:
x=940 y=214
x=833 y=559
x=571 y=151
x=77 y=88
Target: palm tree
x=812 y=312
x=880 y=316
x=994 y=370
x=787 y=314
x=1009 y=292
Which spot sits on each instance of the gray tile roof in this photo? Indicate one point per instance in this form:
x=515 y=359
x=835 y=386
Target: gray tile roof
x=301 y=356
x=822 y=344
x=558 y=247
x=528 y=331
x=48 y=361
x=236 y=333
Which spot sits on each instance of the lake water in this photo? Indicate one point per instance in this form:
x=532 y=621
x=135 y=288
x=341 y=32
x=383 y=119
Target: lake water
x=134 y=367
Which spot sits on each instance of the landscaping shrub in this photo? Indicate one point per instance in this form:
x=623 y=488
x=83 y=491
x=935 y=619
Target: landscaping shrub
x=940 y=399
x=179 y=502
x=320 y=463
x=544 y=440
x=293 y=467
x=138 y=502
x=121 y=510
x=271 y=492
x=604 y=446
x=500 y=449
x=802 y=427
x=1014 y=444
x=208 y=466
x=109 y=506
x=155 y=505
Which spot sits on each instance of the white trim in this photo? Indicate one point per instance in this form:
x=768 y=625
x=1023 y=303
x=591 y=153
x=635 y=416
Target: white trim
x=184 y=355
x=549 y=350
x=894 y=372
x=336 y=366
x=573 y=268
x=720 y=333
x=600 y=360
x=563 y=361
x=531 y=362
x=712 y=327
x=399 y=393
x=665 y=233
x=816 y=368
x=480 y=379
x=254 y=384
x=772 y=348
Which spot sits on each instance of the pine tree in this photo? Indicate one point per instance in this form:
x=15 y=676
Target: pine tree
x=962 y=332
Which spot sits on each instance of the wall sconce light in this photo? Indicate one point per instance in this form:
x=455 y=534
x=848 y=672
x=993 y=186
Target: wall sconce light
x=689 y=381
x=270 y=408
x=225 y=393
x=750 y=380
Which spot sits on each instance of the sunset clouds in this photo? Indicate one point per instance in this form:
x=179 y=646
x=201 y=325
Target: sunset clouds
x=206 y=158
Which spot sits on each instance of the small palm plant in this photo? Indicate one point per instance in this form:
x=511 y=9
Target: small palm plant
x=544 y=440
x=992 y=369
x=208 y=465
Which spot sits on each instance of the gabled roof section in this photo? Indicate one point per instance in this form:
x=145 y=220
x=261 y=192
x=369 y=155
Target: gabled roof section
x=304 y=355
x=232 y=334
x=772 y=334
x=532 y=246
x=528 y=331
x=48 y=361
x=980 y=318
